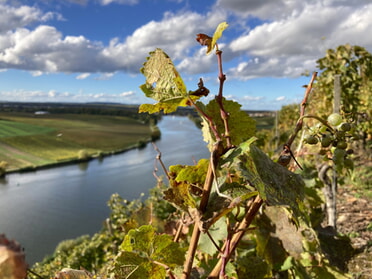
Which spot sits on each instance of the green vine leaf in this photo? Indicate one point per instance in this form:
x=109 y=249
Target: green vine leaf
x=218 y=232
x=163 y=84
x=186 y=181
x=145 y=254
x=275 y=184
x=241 y=125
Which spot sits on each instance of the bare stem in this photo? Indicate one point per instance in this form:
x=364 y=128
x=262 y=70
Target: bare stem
x=179 y=229
x=286 y=154
x=219 y=97
x=158 y=157
x=248 y=218
x=215 y=155
x=302 y=111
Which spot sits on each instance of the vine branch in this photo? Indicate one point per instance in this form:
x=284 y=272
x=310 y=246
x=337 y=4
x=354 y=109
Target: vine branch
x=286 y=154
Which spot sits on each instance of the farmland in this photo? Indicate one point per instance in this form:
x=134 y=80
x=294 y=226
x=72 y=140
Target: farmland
x=28 y=140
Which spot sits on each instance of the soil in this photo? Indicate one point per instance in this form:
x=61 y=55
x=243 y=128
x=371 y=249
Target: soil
x=355 y=221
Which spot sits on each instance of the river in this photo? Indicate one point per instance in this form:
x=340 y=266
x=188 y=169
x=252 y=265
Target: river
x=41 y=208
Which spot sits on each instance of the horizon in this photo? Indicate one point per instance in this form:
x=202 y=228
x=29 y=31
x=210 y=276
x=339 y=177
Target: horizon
x=111 y=103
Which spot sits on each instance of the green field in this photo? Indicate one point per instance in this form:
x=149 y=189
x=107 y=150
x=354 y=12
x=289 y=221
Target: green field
x=27 y=140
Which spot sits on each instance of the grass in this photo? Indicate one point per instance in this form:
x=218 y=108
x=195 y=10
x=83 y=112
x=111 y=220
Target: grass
x=28 y=140
x=12 y=128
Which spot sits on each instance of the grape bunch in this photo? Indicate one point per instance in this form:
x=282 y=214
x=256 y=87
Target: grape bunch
x=334 y=136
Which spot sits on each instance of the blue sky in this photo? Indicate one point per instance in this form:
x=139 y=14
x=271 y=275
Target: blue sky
x=92 y=50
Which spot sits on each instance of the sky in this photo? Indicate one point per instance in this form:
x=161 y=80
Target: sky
x=92 y=50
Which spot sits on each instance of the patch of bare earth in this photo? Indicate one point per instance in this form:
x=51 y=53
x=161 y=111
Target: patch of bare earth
x=354 y=220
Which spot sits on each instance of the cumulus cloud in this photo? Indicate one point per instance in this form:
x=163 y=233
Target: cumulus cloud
x=20 y=16
x=291 y=36
x=46 y=49
x=290 y=41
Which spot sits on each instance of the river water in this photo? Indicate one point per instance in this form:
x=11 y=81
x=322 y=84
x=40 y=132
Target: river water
x=41 y=208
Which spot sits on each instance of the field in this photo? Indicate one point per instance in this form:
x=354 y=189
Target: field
x=28 y=140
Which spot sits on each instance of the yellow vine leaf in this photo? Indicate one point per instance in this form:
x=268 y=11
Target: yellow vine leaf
x=163 y=84
x=217 y=34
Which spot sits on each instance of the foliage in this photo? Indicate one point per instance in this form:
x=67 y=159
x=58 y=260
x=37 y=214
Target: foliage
x=238 y=212
x=354 y=66
x=145 y=254
x=241 y=126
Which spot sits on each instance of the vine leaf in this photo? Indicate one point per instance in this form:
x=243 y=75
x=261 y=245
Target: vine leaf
x=184 y=182
x=211 y=42
x=145 y=254
x=218 y=232
x=218 y=33
x=241 y=125
x=163 y=84
x=275 y=184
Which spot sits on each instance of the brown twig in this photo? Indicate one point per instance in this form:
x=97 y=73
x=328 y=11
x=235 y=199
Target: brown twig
x=215 y=155
x=219 y=98
x=248 y=218
x=286 y=154
x=179 y=229
x=158 y=157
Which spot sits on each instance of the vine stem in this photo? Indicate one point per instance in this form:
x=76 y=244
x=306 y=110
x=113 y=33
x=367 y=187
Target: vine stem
x=224 y=114
x=243 y=226
x=215 y=155
x=303 y=107
x=285 y=155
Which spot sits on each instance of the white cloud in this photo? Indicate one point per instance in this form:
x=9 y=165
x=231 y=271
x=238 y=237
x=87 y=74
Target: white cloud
x=289 y=43
x=105 y=76
x=20 y=16
x=263 y=9
x=126 y=2
x=83 y=76
x=280 y=98
x=293 y=35
x=45 y=48
x=126 y=94
x=22 y=95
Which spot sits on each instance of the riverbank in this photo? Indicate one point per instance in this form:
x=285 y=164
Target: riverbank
x=29 y=142
x=74 y=161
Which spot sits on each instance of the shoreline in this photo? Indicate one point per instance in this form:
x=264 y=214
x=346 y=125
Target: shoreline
x=141 y=144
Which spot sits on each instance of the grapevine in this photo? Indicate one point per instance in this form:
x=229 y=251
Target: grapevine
x=228 y=210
